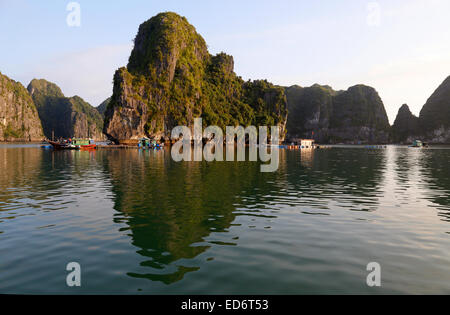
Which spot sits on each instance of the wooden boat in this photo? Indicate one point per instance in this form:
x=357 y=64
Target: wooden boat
x=62 y=145
x=84 y=144
x=75 y=144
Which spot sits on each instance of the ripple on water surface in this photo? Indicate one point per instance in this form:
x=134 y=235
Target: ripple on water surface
x=140 y=222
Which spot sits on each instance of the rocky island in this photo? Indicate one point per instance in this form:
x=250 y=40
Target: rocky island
x=171 y=78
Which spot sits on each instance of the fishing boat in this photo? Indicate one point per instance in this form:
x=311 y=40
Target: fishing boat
x=84 y=144
x=73 y=144
x=417 y=144
x=63 y=145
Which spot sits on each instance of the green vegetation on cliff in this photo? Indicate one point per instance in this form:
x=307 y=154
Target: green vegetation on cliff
x=359 y=106
x=18 y=115
x=171 y=79
x=63 y=116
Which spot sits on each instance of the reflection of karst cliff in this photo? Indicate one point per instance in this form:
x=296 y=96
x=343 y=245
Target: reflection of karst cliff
x=41 y=175
x=172 y=207
x=20 y=169
x=435 y=175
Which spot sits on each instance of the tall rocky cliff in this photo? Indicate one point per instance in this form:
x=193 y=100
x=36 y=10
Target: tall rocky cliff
x=352 y=116
x=406 y=127
x=171 y=79
x=19 y=120
x=64 y=117
x=435 y=115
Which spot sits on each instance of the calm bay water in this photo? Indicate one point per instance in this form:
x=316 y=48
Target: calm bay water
x=138 y=222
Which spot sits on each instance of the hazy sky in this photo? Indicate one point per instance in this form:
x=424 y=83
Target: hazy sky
x=400 y=47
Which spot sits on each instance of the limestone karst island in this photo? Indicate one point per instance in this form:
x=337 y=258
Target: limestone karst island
x=256 y=148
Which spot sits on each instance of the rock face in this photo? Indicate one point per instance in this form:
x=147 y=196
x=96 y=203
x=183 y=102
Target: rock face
x=435 y=115
x=406 y=127
x=19 y=120
x=433 y=124
x=353 y=116
x=359 y=116
x=310 y=111
x=64 y=117
x=103 y=106
x=171 y=79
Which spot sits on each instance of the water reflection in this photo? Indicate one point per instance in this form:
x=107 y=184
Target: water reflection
x=435 y=177
x=139 y=217
x=171 y=207
x=33 y=179
x=350 y=177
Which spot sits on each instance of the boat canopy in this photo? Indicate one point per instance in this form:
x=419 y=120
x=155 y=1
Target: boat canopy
x=82 y=141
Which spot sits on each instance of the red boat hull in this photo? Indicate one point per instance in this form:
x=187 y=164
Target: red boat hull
x=89 y=147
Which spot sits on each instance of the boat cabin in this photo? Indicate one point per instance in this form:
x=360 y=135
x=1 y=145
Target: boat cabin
x=82 y=142
x=417 y=144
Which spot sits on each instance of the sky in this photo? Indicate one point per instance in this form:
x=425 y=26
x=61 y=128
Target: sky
x=399 y=47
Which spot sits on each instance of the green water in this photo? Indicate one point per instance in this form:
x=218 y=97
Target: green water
x=138 y=222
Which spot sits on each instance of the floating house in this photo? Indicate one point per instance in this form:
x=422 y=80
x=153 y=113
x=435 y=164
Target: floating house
x=307 y=144
x=300 y=144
